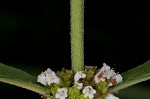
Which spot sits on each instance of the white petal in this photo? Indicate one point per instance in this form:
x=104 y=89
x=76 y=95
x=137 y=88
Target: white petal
x=110 y=84
x=91 y=96
x=62 y=98
x=110 y=96
x=52 y=78
x=79 y=85
x=65 y=90
x=83 y=75
x=97 y=79
x=105 y=67
x=56 y=80
x=109 y=73
x=62 y=93
x=94 y=91
x=118 y=78
x=42 y=79
x=79 y=75
x=48 y=78
x=49 y=71
x=57 y=95
x=106 y=73
x=88 y=91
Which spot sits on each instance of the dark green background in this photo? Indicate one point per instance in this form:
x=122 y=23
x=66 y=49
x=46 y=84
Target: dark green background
x=34 y=35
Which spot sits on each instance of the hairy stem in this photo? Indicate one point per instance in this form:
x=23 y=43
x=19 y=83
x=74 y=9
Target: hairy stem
x=77 y=34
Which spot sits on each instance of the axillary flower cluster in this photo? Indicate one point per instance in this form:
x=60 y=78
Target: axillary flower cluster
x=90 y=83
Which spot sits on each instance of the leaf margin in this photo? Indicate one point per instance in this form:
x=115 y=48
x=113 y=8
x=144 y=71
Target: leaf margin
x=135 y=78
x=31 y=84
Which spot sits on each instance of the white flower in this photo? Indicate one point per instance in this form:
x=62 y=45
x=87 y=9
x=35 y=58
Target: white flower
x=109 y=73
x=99 y=77
x=104 y=72
x=110 y=96
x=52 y=78
x=115 y=80
x=88 y=91
x=62 y=93
x=79 y=75
x=79 y=85
x=48 y=77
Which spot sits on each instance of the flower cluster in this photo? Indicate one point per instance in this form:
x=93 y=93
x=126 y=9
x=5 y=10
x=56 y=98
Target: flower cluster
x=90 y=83
x=109 y=75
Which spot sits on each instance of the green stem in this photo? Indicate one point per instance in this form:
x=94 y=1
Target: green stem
x=77 y=34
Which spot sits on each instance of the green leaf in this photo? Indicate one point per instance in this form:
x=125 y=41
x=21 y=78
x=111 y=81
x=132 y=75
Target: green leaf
x=20 y=78
x=133 y=76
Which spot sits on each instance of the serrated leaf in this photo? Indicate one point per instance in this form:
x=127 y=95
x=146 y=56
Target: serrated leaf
x=20 y=78
x=133 y=76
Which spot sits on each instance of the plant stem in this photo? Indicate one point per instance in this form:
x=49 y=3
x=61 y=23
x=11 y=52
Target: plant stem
x=77 y=34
